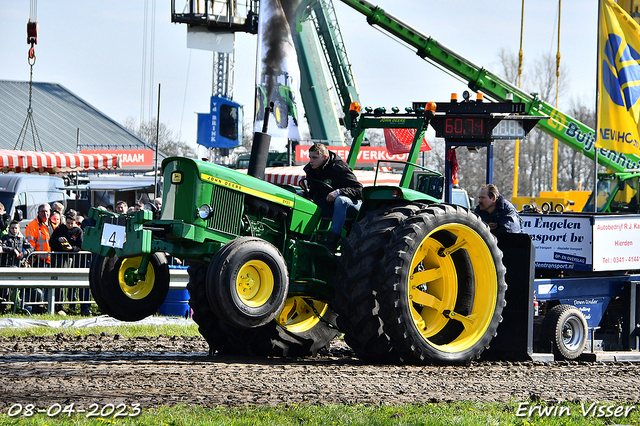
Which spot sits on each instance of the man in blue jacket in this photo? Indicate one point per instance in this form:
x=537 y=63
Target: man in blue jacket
x=498 y=213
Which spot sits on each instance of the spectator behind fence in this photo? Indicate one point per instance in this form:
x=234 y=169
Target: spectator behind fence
x=58 y=207
x=54 y=220
x=39 y=231
x=14 y=247
x=4 y=220
x=121 y=207
x=66 y=242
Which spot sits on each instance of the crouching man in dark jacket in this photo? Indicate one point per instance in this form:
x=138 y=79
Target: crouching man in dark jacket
x=498 y=213
x=342 y=194
x=15 y=247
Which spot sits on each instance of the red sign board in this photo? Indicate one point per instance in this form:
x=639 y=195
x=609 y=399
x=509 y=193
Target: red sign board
x=367 y=154
x=129 y=158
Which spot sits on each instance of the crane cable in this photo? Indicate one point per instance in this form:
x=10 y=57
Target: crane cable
x=32 y=40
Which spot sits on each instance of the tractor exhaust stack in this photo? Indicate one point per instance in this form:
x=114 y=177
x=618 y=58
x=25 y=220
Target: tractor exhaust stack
x=260 y=148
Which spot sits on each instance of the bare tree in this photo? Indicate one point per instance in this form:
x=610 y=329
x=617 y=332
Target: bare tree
x=168 y=143
x=575 y=171
x=248 y=135
x=509 y=63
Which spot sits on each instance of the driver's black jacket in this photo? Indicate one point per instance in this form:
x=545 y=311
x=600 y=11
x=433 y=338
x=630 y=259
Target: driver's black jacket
x=335 y=173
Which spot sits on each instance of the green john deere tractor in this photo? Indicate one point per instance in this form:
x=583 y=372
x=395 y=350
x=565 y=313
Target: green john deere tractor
x=414 y=281
x=282 y=96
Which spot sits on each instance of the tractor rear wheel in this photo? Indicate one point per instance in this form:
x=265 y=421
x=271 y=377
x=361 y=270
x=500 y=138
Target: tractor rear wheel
x=301 y=329
x=260 y=101
x=125 y=296
x=354 y=301
x=443 y=289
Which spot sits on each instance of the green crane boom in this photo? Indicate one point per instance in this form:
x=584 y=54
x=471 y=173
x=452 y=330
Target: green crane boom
x=565 y=128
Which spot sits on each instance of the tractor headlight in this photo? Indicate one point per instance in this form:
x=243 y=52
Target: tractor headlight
x=205 y=211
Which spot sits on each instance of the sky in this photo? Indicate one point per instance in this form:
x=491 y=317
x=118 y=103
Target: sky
x=95 y=50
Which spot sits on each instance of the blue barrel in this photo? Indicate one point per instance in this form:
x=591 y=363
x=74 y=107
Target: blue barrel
x=176 y=304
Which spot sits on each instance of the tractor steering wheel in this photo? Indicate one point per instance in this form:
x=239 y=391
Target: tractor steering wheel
x=304 y=185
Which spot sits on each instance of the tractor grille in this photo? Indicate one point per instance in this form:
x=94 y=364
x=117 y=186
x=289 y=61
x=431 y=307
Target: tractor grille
x=227 y=210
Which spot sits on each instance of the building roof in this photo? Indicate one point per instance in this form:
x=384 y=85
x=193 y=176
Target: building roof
x=58 y=115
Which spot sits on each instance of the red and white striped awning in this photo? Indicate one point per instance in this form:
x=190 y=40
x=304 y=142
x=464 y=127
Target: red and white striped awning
x=54 y=162
x=292 y=175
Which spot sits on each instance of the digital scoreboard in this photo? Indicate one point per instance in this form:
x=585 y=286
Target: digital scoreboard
x=472 y=121
x=481 y=127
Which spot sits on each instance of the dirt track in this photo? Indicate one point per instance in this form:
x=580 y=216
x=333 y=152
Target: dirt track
x=171 y=370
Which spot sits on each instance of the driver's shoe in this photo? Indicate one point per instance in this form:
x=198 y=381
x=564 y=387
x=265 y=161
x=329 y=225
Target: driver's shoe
x=331 y=243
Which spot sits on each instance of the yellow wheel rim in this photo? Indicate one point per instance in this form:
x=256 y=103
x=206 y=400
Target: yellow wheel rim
x=277 y=113
x=254 y=283
x=433 y=287
x=138 y=289
x=298 y=314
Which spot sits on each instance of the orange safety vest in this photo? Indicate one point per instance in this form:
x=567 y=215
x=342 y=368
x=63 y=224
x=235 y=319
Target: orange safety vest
x=38 y=235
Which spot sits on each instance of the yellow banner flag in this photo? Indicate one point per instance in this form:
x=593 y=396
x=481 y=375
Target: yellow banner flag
x=618 y=80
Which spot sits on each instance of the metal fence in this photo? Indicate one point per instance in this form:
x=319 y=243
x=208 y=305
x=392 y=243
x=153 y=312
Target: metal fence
x=44 y=279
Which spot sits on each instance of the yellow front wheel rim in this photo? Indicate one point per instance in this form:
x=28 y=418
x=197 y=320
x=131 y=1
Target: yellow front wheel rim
x=433 y=287
x=255 y=283
x=299 y=315
x=138 y=289
x=277 y=114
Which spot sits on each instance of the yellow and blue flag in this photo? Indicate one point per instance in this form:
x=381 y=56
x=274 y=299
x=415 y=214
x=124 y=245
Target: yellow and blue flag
x=618 y=80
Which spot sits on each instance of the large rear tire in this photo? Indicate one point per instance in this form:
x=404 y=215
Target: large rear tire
x=298 y=331
x=260 y=104
x=443 y=290
x=354 y=301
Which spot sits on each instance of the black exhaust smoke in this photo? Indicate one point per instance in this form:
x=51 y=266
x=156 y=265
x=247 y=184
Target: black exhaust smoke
x=260 y=148
x=276 y=33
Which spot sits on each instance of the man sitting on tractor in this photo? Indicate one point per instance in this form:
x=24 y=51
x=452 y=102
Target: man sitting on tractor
x=341 y=194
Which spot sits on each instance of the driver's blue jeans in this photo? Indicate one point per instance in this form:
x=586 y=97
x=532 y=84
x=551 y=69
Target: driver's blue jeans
x=343 y=206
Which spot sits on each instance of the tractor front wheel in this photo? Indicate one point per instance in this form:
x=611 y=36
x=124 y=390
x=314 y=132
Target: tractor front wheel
x=281 y=113
x=247 y=282
x=124 y=295
x=95 y=283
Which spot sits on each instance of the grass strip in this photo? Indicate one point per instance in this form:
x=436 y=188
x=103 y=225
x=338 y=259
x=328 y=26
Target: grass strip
x=126 y=330
x=462 y=413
